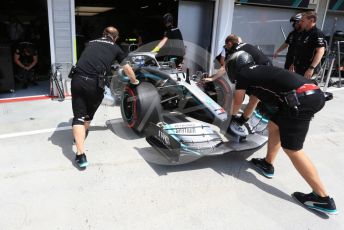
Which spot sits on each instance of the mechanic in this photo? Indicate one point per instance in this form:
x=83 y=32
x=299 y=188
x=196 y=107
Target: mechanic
x=295 y=101
x=310 y=48
x=291 y=41
x=233 y=45
x=171 y=47
x=225 y=49
x=25 y=58
x=88 y=83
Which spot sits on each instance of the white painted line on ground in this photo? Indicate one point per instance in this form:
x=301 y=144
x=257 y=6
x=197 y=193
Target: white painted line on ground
x=334 y=89
x=33 y=132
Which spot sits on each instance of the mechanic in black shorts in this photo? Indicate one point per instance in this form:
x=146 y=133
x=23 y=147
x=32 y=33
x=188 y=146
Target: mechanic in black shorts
x=88 y=84
x=289 y=121
x=171 y=47
x=291 y=41
x=310 y=47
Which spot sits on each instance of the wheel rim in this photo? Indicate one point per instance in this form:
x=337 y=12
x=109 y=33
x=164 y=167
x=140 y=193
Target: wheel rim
x=129 y=106
x=222 y=90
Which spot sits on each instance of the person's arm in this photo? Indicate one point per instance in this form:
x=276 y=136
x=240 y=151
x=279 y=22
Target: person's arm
x=160 y=45
x=319 y=53
x=130 y=73
x=217 y=75
x=222 y=61
x=222 y=57
x=18 y=62
x=280 y=49
x=34 y=62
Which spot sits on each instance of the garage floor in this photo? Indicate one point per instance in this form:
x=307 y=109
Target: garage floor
x=42 y=88
x=41 y=189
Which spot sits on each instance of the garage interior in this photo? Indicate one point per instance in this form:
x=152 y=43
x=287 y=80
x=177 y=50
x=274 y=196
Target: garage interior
x=23 y=21
x=133 y=19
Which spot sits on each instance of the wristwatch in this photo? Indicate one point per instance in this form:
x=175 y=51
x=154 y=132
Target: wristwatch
x=311 y=67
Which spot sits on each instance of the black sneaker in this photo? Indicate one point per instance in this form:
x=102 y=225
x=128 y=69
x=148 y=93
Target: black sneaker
x=81 y=160
x=86 y=134
x=264 y=167
x=313 y=201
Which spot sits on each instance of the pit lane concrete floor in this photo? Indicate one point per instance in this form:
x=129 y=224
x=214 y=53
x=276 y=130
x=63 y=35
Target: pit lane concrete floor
x=41 y=189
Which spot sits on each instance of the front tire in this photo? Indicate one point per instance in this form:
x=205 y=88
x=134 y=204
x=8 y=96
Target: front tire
x=141 y=105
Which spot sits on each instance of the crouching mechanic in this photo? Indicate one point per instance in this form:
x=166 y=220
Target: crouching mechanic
x=295 y=100
x=88 y=84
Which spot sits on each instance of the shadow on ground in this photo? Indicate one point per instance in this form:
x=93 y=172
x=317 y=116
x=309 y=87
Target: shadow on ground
x=235 y=164
x=64 y=139
x=120 y=129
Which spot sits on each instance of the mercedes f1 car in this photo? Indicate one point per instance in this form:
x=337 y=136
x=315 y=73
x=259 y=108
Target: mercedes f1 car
x=179 y=114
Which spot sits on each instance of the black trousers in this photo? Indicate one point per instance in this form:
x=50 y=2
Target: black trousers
x=25 y=76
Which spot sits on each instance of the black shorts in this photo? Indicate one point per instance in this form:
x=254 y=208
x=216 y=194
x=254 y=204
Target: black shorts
x=293 y=127
x=86 y=97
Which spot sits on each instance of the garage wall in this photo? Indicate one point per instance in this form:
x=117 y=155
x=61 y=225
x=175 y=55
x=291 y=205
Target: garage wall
x=195 y=21
x=262 y=25
x=224 y=23
x=62 y=36
x=60 y=22
x=330 y=17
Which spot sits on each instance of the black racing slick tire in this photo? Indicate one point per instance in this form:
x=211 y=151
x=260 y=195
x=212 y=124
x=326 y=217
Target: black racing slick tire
x=224 y=93
x=141 y=105
x=221 y=92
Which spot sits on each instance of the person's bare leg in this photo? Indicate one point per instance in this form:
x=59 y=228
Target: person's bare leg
x=79 y=137
x=307 y=170
x=274 y=142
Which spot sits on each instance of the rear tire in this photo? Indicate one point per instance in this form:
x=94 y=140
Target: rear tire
x=140 y=105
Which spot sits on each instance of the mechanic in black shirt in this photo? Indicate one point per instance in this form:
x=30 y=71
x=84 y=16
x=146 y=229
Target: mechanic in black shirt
x=311 y=46
x=295 y=101
x=291 y=41
x=172 y=45
x=234 y=44
x=225 y=49
x=88 y=84
x=25 y=58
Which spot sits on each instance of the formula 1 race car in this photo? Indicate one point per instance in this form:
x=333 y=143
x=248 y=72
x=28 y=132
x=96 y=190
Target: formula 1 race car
x=179 y=114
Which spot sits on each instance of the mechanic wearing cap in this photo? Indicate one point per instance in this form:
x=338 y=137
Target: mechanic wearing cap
x=295 y=101
x=311 y=46
x=88 y=81
x=172 y=45
x=291 y=41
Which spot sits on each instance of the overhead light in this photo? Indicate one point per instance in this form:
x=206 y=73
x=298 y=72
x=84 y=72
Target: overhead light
x=85 y=14
x=90 y=10
x=144 y=7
